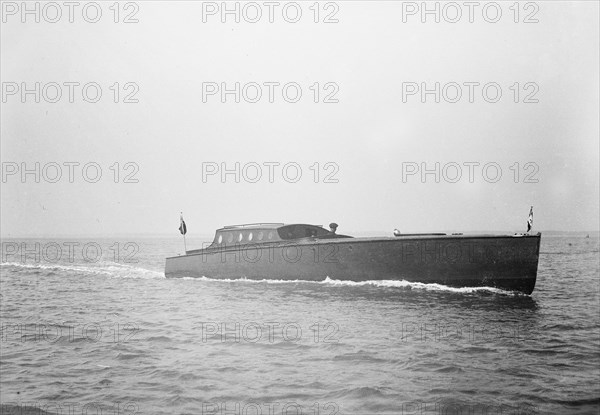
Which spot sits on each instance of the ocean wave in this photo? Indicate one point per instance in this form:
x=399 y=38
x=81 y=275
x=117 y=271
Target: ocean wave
x=375 y=283
x=111 y=270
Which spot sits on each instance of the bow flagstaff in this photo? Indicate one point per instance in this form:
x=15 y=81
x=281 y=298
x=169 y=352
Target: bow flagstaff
x=530 y=220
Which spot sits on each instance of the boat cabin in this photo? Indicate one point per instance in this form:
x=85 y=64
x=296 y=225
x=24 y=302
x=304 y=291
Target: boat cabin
x=256 y=233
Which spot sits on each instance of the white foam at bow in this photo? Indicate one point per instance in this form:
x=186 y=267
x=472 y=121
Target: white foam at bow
x=375 y=283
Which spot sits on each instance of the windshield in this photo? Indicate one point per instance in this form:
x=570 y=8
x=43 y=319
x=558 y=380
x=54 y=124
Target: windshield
x=301 y=231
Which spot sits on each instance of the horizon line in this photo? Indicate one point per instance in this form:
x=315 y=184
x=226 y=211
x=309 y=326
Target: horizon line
x=204 y=235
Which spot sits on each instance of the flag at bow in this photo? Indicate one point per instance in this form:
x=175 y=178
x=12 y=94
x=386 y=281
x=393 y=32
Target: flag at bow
x=530 y=220
x=182 y=227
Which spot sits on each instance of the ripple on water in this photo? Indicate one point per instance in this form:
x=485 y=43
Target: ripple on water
x=469 y=347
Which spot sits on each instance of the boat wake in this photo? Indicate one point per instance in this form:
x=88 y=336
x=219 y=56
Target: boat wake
x=106 y=269
x=116 y=270
x=374 y=283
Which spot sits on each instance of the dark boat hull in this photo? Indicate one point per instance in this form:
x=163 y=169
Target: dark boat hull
x=506 y=262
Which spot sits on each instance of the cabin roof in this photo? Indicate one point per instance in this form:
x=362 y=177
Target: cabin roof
x=266 y=225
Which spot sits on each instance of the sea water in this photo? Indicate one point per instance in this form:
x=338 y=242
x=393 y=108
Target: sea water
x=93 y=326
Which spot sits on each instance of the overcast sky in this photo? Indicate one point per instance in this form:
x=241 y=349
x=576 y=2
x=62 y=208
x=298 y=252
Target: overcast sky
x=378 y=132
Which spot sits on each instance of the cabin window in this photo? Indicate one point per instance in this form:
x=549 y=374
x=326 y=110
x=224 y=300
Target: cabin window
x=310 y=232
x=240 y=237
x=230 y=238
x=250 y=236
x=260 y=236
x=270 y=235
x=220 y=240
x=301 y=231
